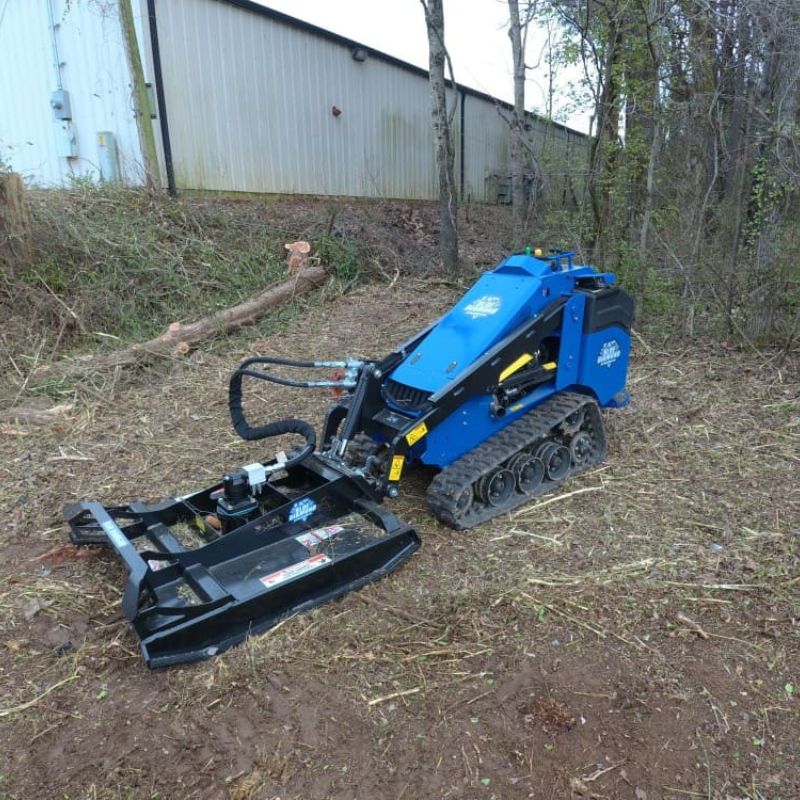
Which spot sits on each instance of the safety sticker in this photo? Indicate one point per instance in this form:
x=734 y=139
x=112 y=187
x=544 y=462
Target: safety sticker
x=414 y=436
x=295 y=570
x=313 y=538
x=302 y=510
x=609 y=353
x=397 y=468
x=484 y=306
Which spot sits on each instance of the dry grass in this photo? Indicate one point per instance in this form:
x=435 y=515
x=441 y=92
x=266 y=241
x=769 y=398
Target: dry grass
x=525 y=658
x=117 y=265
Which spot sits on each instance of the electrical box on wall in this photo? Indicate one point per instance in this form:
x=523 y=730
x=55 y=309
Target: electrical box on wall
x=66 y=141
x=59 y=102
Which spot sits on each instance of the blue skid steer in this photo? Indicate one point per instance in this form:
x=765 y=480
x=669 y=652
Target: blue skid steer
x=502 y=395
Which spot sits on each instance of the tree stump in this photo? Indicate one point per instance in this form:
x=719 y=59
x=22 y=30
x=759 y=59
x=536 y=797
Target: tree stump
x=15 y=228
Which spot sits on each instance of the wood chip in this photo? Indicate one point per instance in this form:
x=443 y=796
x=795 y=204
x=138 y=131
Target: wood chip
x=375 y=701
x=691 y=624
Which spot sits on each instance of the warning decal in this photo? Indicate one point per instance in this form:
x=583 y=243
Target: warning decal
x=313 y=538
x=295 y=570
x=397 y=468
x=414 y=436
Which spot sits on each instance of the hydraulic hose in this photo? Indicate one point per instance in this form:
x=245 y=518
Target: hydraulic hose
x=250 y=433
x=347 y=382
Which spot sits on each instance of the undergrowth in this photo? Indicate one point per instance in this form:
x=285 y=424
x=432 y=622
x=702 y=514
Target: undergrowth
x=117 y=265
x=122 y=263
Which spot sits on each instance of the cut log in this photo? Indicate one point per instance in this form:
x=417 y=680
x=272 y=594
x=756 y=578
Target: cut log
x=178 y=339
x=15 y=228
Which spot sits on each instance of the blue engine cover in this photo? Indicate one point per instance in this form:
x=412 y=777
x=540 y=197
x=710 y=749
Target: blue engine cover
x=502 y=300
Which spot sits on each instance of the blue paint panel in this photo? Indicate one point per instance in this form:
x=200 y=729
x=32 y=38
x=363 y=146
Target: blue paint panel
x=604 y=363
x=500 y=301
x=490 y=310
x=472 y=424
x=513 y=293
x=569 y=353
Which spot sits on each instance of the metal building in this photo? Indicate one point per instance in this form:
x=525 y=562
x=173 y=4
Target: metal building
x=227 y=95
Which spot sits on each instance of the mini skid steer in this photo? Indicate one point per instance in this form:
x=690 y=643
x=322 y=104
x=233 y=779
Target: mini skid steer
x=502 y=395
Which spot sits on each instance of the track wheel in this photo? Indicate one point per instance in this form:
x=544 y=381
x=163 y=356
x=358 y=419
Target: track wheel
x=497 y=487
x=556 y=459
x=528 y=471
x=580 y=448
x=572 y=424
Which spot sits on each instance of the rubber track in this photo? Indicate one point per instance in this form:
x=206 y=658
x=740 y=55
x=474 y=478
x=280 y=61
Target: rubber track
x=448 y=485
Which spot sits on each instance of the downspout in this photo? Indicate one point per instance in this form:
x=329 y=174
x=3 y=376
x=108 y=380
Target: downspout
x=162 y=101
x=144 y=124
x=461 y=168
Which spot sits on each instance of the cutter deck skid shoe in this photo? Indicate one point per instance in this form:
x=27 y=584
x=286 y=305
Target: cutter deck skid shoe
x=503 y=395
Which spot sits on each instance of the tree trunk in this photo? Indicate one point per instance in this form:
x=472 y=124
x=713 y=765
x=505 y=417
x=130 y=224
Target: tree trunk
x=642 y=133
x=603 y=154
x=442 y=134
x=517 y=125
x=139 y=100
x=647 y=212
x=15 y=229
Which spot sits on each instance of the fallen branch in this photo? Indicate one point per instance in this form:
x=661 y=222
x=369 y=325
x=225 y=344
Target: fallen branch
x=526 y=512
x=691 y=625
x=7 y=712
x=178 y=338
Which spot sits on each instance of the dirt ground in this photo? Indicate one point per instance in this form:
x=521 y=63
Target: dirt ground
x=636 y=636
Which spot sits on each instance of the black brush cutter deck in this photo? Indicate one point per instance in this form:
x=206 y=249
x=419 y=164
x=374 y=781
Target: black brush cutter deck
x=312 y=535
x=269 y=540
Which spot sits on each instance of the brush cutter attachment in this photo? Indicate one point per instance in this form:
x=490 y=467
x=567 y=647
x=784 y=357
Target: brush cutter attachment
x=269 y=540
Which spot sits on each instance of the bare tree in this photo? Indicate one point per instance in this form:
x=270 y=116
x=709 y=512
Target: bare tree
x=697 y=111
x=518 y=33
x=443 y=133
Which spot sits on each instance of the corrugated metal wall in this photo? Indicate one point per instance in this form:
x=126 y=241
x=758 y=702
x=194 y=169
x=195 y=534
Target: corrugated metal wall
x=258 y=116
x=249 y=99
x=487 y=148
x=562 y=155
x=250 y=103
x=94 y=71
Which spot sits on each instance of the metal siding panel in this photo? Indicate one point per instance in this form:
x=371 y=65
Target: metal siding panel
x=27 y=141
x=486 y=146
x=249 y=100
x=487 y=150
x=250 y=104
x=95 y=72
x=264 y=122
